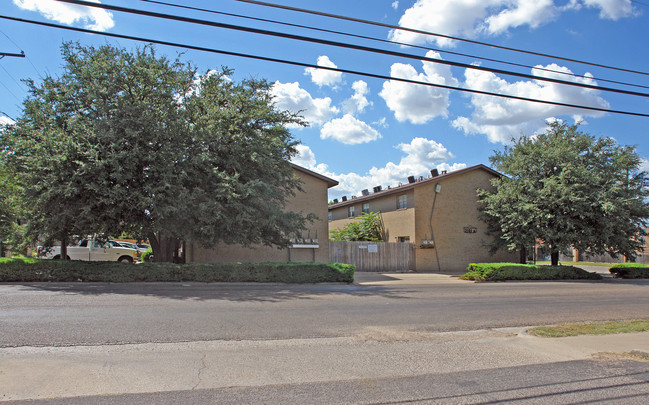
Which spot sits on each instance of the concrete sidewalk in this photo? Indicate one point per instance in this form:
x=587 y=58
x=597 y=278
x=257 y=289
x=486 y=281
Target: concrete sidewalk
x=55 y=372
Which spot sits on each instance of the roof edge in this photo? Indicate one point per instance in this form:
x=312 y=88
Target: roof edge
x=409 y=186
x=330 y=182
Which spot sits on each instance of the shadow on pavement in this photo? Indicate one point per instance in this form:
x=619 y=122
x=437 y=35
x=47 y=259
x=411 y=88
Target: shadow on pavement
x=272 y=292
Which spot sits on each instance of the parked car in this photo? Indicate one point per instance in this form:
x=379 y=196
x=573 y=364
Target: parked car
x=93 y=250
x=129 y=245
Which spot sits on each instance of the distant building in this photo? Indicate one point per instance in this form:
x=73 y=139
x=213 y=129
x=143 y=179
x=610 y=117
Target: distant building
x=438 y=214
x=311 y=246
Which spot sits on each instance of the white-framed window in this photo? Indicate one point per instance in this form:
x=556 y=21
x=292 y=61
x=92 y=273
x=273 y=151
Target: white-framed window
x=351 y=211
x=330 y=216
x=366 y=208
x=402 y=202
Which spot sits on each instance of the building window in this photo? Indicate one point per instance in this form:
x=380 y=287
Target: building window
x=351 y=211
x=366 y=208
x=403 y=239
x=402 y=202
x=331 y=216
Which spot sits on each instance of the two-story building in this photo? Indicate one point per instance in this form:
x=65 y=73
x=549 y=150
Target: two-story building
x=311 y=246
x=438 y=214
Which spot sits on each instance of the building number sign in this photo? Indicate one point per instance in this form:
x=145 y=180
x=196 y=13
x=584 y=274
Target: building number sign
x=470 y=229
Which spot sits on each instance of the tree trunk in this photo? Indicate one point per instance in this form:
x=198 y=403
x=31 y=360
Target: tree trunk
x=165 y=248
x=64 y=247
x=522 y=259
x=554 y=257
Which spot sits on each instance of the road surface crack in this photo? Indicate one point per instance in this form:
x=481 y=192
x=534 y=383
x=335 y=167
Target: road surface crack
x=200 y=371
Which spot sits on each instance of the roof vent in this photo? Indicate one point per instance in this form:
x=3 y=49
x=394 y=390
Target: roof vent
x=411 y=179
x=377 y=189
x=335 y=201
x=444 y=172
x=365 y=192
x=344 y=198
x=353 y=197
x=434 y=173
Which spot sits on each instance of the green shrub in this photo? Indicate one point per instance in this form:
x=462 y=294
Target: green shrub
x=629 y=270
x=34 y=270
x=512 y=271
x=147 y=256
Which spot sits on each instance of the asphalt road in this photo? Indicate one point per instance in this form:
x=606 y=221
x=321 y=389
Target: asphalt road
x=68 y=314
x=402 y=338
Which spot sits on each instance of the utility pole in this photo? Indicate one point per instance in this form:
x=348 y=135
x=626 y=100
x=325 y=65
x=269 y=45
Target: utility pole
x=16 y=55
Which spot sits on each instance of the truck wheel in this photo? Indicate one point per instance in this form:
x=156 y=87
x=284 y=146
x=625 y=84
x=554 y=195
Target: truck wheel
x=57 y=257
x=125 y=259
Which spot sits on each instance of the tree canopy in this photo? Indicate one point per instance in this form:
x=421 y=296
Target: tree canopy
x=565 y=188
x=132 y=141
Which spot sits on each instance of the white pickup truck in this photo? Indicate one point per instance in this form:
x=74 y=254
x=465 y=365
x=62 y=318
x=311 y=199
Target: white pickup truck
x=94 y=250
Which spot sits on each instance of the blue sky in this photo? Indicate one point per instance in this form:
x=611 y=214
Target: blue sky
x=365 y=131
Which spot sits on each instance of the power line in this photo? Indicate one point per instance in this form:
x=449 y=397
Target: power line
x=422 y=32
x=348 y=46
x=11 y=76
x=21 y=50
x=390 y=42
x=310 y=65
x=7 y=115
x=639 y=2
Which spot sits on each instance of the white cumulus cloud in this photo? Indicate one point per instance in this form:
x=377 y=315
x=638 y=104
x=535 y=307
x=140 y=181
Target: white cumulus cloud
x=414 y=102
x=349 y=130
x=533 y=13
x=470 y=18
x=358 y=102
x=421 y=155
x=612 y=9
x=289 y=96
x=502 y=119
x=323 y=77
x=92 y=18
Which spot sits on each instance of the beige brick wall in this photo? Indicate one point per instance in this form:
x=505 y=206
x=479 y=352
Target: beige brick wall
x=313 y=199
x=397 y=223
x=456 y=208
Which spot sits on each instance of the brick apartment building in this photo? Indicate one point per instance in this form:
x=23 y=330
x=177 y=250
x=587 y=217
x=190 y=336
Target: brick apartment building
x=312 y=246
x=438 y=214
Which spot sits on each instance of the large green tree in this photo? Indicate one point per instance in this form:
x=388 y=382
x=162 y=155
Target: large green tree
x=565 y=188
x=45 y=162
x=167 y=154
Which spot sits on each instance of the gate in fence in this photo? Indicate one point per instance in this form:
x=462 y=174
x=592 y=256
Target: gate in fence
x=374 y=256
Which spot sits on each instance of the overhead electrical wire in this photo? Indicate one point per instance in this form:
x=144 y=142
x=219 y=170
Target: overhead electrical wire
x=310 y=65
x=422 y=32
x=346 y=45
x=386 y=41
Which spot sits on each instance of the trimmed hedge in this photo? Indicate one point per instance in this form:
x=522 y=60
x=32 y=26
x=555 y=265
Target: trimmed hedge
x=35 y=270
x=512 y=271
x=629 y=270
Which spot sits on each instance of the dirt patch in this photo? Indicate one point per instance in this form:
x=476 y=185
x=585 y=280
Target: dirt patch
x=376 y=334
x=632 y=355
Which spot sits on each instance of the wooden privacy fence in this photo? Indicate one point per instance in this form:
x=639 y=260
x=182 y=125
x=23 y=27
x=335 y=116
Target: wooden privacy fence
x=374 y=256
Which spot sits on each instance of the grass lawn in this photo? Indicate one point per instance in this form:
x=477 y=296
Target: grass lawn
x=590 y=328
x=545 y=262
